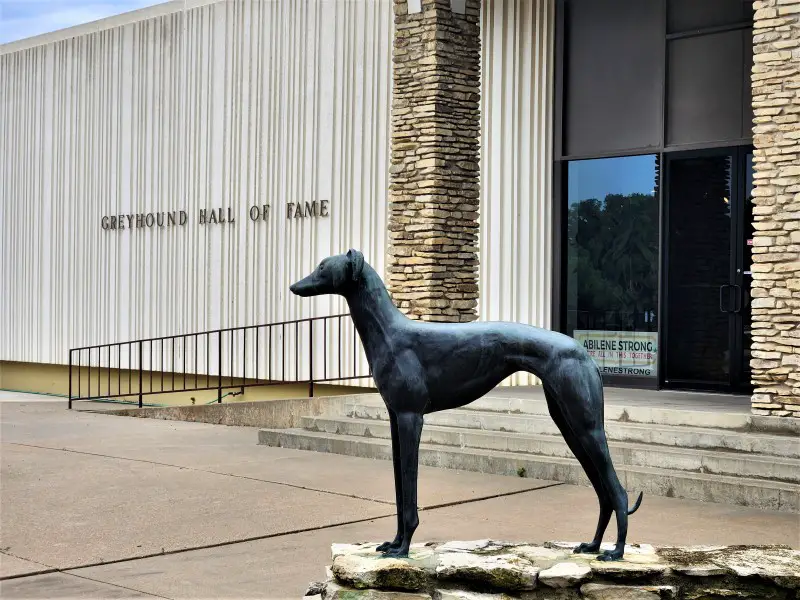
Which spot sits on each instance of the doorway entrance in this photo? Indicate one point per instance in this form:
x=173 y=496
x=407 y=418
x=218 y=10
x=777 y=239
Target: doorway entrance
x=708 y=235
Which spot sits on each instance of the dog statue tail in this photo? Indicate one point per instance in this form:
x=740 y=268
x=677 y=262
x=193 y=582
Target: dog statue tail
x=636 y=506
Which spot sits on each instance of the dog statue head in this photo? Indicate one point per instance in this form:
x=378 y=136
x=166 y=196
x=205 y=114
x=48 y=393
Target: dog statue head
x=334 y=275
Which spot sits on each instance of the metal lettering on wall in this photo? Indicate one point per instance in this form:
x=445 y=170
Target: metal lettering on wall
x=213 y=216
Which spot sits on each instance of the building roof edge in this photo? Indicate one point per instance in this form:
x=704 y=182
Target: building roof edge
x=120 y=20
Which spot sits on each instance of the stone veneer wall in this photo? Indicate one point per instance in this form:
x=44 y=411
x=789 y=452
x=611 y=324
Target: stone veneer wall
x=776 y=241
x=434 y=194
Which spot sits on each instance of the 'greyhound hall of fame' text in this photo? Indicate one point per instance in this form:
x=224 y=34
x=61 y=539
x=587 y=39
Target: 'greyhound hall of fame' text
x=211 y=216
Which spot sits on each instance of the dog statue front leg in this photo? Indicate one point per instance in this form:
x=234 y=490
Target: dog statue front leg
x=409 y=429
x=398 y=486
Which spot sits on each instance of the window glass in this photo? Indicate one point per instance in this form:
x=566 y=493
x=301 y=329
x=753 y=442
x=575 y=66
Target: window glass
x=612 y=262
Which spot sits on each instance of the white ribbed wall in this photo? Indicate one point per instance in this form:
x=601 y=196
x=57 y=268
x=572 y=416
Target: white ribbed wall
x=232 y=104
x=226 y=105
x=516 y=163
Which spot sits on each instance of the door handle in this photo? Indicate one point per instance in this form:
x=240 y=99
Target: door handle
x=721 y=290
x=737 y=300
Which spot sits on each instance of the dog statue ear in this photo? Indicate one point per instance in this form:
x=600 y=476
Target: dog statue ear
x=356 y=263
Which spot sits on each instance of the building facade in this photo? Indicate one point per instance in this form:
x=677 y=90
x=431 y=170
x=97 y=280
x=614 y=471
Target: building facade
x=622 y=171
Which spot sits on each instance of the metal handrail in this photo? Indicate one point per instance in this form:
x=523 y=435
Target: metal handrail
x=197 y=376
x=166 y=337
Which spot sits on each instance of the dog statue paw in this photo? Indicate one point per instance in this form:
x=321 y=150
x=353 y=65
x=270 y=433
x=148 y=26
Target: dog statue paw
x=587 y=548
x=610 y=555
x=386 y=546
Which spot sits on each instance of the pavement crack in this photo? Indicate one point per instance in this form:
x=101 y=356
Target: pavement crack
x=255 y=538
x=7 y=552
x=209 y=471
x=29 y=574
x=69 y=570
x=492 y=496
x=47 y=570
x=116 y=585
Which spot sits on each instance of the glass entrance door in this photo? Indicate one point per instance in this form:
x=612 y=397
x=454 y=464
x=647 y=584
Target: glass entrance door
x=707 y=271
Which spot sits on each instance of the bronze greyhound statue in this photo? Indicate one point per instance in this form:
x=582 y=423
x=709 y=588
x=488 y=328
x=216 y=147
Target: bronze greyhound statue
x=422 y=367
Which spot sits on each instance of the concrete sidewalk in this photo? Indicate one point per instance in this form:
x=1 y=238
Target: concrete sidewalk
x=98 y=506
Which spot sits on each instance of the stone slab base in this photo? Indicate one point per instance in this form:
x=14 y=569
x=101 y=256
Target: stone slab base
x=487 y=569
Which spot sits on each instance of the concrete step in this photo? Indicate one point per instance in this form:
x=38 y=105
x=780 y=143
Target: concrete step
x=717 y=462
x=622 y=412
x=617 y=409
x=662 y=435
x=613 y=412
x=760 y=493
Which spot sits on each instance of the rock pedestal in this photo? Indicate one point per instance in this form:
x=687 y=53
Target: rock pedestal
x=486 y=570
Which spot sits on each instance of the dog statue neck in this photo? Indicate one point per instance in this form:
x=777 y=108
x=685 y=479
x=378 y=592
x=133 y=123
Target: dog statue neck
x=371 y=307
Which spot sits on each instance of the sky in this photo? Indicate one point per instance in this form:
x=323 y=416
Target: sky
x=25 y=18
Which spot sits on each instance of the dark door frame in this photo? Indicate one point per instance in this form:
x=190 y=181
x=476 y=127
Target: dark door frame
x=740 y=283
x=737 y=299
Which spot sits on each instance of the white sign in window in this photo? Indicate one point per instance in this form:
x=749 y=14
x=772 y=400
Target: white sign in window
x=621 y=352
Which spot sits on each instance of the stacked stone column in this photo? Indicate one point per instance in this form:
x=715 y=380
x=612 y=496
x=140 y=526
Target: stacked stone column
x=776 y=241
x=434 y=176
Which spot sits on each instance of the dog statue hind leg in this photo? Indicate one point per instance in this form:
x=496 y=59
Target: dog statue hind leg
x=577 y=411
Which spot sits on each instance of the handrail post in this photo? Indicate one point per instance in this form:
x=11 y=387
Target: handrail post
x=70 y=380
x=311 y=359
x=219 y=379
x=141 y=383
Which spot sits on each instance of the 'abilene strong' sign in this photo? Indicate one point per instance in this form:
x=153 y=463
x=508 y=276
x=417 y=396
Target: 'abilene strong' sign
x=211 y=216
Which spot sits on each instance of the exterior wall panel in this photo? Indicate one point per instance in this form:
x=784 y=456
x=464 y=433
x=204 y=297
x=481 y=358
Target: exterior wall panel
x=516 y=162
x=230 y=104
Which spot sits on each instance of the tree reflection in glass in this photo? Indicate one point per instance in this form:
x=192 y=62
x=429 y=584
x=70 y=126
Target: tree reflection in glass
x=612 y=245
